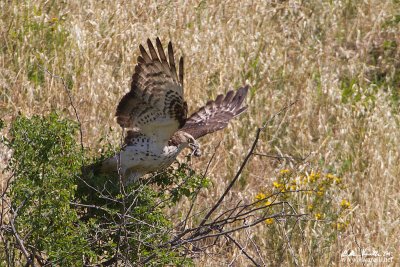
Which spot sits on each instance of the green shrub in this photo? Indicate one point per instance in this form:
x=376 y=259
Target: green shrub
x=44 y=164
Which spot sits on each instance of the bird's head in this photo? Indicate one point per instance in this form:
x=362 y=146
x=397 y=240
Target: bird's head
x=184 y=139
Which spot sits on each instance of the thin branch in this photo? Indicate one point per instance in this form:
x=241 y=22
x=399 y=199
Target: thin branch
x=71 y=102
x=19 y=240
x=242 y=250
x=255 y=245
x=291 y=251
x=239 y=172
x=277 y=157
x=199 y=187
x=197 y=237
x=278 y=113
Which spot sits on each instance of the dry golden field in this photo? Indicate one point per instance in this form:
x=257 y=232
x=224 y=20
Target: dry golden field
x=339 y=59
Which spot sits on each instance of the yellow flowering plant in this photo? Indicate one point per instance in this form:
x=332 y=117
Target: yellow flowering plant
x=312 y=193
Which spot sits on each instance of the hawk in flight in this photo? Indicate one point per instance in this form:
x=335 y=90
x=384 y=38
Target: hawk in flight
x=154 y=113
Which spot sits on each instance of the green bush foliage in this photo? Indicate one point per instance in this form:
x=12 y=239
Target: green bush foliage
x=44 y=164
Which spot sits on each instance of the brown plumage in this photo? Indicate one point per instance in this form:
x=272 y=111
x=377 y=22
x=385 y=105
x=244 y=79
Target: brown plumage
x=216 y=114
x=156 y=96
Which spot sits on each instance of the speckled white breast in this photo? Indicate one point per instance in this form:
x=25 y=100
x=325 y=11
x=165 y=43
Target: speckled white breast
x=141 y=157
x=136 y=161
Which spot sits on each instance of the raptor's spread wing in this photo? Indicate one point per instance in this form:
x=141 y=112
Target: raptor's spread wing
x=216 y=114
x=155 y=104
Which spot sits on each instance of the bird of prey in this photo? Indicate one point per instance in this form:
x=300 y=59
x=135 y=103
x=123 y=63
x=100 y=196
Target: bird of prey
x=154 y=113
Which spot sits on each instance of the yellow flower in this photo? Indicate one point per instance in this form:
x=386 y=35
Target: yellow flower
x=321 y=191
x=338 y=180
x=283 y=172
x=318 y=216
x=269 y=221
x=345 y=204
x=310 y=207
x=277 y=185
x=260 y=196
x=312 y=178
x=330 y=176
x=340 y=226
x=267 y=203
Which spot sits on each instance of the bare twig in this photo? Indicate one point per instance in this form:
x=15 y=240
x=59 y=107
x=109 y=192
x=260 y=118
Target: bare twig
x=255 y=246
x=71 y=102
x=20 y=241
x=242 y=250
x=239 y=172
x=199 y=187
x=291 y=251
x=272 y=156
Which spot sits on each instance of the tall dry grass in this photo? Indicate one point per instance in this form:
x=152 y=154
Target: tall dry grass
x=340 y=59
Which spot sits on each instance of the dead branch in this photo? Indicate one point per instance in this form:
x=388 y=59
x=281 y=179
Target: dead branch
x=242 y=250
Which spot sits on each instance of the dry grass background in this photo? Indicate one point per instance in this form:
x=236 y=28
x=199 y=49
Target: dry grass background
x=341 y=59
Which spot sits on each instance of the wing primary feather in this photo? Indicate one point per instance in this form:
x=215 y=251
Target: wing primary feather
x=209 y=102
x=235 y=99
x=228 y=97
x=219 y=99
x=163 y=58
x=215 y=115
x=140 y=60
x=153 y=52
x=145 y=56
x=242 y=94
x=181 y=71
x=161 y=52
x=238 y=98
x=241 y=110
x=172 y=60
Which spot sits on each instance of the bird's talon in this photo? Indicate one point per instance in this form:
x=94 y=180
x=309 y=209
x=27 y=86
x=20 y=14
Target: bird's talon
x=195 y=149
x=197 y=152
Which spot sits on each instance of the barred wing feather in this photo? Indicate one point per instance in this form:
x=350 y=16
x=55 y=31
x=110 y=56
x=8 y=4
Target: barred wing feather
x=155 y=104
x=215 y=115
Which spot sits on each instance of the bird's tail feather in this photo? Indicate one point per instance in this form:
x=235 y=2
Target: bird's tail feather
x=106 y=167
